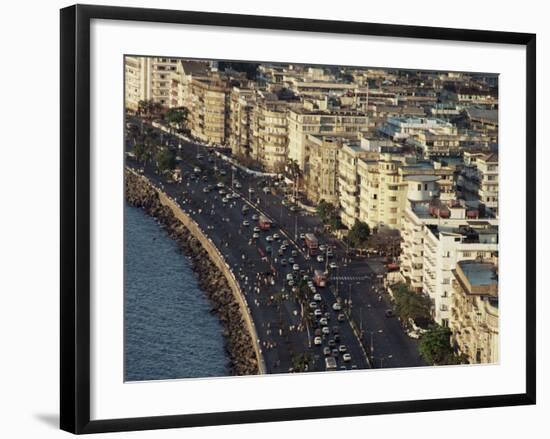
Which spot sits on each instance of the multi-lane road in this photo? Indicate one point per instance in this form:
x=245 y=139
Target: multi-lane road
x=360 y=329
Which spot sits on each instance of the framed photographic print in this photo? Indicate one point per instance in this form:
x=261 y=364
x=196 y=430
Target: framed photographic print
x=257 y=209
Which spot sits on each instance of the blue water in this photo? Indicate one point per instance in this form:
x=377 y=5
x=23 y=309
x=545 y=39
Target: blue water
x=169 y=331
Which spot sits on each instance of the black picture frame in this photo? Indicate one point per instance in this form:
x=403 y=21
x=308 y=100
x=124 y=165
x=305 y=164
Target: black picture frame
x=75 y=217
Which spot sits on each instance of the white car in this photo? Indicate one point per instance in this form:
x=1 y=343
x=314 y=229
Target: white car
x=220 y=184
x=317 y=297
x=337 y=307
x=276 y=236
x=317 y=341
x=317 y=312
x=313 y=305
x=342 y=348
x=347 y=358
x=320 y=258
x=289 y=276
x=255 y=235
x=266 y=190
x=325 y=330
x=323 y=321
x=333 y=265
x=246 y=223
x=251 y=190
x=257 y=229
x=269 y=238
x=291 y=282
x=296 y=267
x=238 y=185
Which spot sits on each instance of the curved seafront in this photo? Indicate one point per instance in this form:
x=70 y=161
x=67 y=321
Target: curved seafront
x=170 y=332
x=217 y=283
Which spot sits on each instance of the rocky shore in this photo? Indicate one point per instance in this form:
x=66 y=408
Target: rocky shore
x=239 y=343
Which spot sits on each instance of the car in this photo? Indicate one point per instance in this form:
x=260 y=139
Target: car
x=323 y=321
x=341 y=317
x=276 y=236
x=204 y=178
x=291 y=282
x=257 y=229
x=284 y=202
x=346 y=357
x=238 y=185
x=389 y=313
x=317 y=341
x=291 y=260
x=251 y=190
x=313 y=305
x=354 y=366
x=222 y=191
x=330 y=254
x=289 y=276
x=245 y=208
x=337 y=338
x=286 y=243
x=206 y=189
x=323 y=248
x=312 y=289
x=266 y=190
x=283 y=262
x=268 y=249
x=333 y=265
x=225 y=200
x=255 y=236
x=317 y=332
x=336 y=306
x=294 y=253
x=246 y=223
x=196 y=169
x=331 y=343
x=303 y=236
x=305 y=277
x=343 y=348
x=293 y=209
x=317 y=297
x=284 y=247
x=222 y=172
x=317 y=312
x=335 y=352
x=269 y=238
x=220 y=185
x=320 y=258
x=296 y=267
x=255 y=217
x=326 y=351
x=325 y=330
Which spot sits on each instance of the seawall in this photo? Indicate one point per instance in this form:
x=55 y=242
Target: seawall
x=213 y=273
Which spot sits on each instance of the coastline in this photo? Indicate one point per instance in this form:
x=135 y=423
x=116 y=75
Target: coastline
x=213 y=274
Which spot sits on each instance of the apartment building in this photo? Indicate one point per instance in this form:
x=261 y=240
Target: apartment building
x=401 y=128
x=474 y=317
x=207 y=109
x=241 y=104
x=321 y=169
x=444 y=247
x=148 y=78
x=436 y=142
x=384 y=185
x=303 y=121
x=349 y=181
x=479 y=179
x=270 y=133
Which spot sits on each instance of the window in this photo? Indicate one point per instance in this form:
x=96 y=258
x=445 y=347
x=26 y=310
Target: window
x=419 y=187
x=425 y=186
x=467 y=254
x=446 y=281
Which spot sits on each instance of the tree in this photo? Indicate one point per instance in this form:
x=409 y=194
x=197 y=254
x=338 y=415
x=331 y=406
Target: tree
x=166 y=160
x=325 y=210
x=176 y=116
x=435 y=347
x=301 y=361
x=411 y=305
x=358 y=235
x=142 y=152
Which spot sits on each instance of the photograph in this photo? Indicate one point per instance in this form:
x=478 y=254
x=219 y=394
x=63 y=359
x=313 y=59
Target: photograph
x=286 y=218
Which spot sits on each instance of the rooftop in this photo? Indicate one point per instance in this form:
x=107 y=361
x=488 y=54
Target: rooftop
x=478 y=277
